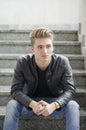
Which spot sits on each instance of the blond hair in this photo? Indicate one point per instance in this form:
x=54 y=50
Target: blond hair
x=40 y=33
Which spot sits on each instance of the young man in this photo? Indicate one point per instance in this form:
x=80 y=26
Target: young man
x=42 y=82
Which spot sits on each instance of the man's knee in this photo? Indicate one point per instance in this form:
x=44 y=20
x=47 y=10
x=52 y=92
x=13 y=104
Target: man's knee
x=73 y=104
x=12 y=105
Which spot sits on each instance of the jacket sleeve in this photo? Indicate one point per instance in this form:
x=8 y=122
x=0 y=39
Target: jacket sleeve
x=18 y=84
x=67 y=83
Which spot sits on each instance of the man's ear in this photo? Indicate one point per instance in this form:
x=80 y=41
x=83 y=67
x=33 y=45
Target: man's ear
x=32 y=49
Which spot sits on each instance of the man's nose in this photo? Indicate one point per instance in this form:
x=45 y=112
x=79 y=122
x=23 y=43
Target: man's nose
x=45 y=49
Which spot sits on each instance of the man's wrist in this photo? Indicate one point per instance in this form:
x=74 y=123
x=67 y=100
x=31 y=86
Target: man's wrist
x=32 y=104
x=57 y=106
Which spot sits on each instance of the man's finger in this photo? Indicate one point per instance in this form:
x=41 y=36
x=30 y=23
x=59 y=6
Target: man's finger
x=43 y=103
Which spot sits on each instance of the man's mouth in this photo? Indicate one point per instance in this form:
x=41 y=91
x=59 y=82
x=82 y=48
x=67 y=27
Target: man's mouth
x=44 y=56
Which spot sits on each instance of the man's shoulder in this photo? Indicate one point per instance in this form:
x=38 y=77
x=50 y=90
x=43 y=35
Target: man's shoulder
x=60 y=57
x=25 y=58
x=61 y=61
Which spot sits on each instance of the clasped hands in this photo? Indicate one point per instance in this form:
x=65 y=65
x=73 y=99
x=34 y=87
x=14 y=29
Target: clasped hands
x=42 y=107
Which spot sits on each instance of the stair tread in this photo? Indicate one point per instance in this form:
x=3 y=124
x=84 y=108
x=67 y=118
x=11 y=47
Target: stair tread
x=5 y=90
x=10 y=56
x=27 y=42
x=67 y=43
x=79 y=72
x=8 y=70
x=29 y=30
x=29 y=27
x=81 y=90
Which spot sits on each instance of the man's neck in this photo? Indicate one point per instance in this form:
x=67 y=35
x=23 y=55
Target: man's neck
x=43 y=66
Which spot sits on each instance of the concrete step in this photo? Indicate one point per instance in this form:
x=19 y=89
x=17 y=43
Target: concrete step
x=68 y=27
x=5 y=95
x=9 y=60
x=41 y=123
x=63 y=35
x=80 y=96
x=79 y=77
x=60 y=35
x=67 y=47
x=60 y=47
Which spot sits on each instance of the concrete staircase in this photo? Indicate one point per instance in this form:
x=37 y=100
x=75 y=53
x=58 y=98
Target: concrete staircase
x=13 y=44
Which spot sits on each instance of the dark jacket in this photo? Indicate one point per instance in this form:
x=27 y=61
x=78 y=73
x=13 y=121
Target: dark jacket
x=58 y=76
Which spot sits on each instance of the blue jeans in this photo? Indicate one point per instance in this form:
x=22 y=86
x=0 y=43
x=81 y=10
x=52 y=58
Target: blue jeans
x=15 y=109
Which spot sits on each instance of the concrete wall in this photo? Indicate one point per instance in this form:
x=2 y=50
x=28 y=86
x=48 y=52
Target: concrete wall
x=39 y=11
x=82 y=18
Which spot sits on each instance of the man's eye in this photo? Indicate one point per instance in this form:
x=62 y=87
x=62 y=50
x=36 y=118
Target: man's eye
x=40 y=47
x=48 y=46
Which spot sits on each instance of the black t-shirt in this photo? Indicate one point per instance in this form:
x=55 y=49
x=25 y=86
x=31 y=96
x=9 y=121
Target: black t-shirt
x=42 y=88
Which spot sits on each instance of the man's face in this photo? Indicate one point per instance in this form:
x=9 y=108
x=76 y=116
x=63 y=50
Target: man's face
x=43 y=48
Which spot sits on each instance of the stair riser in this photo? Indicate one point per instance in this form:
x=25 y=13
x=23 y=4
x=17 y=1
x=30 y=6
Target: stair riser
x=80 y=81
x=81 y=99
x=4 y=99
x=41 y=124
x=60 y=36
x=15 y=49
x=66 y=36
x=67 y=49
x=60 y=49
x=38 y=124
x=5 y=80
x=10 y=63
x=77 y=64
